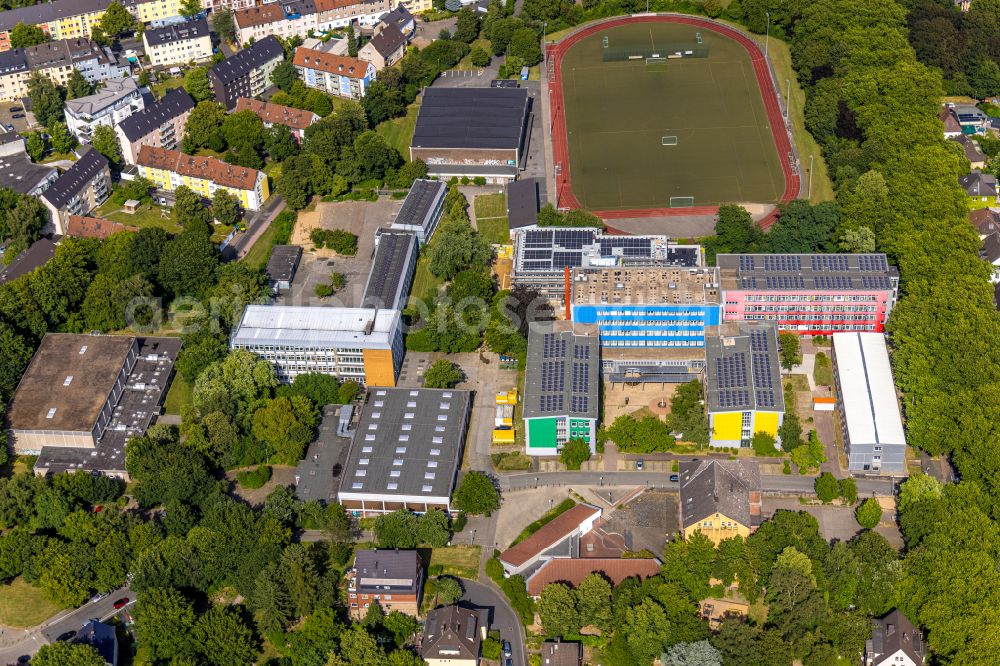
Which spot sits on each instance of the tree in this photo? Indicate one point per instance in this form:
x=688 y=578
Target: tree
x=116 y=20
x=376 y=156
x=189 y=209
x=196 y=84
x=226 y=208
x=869 y=514
x=791 y=353
x=763 y=444
x=432 y=529
x=286 y=425
x=916 y=489
x=700 y=653
x=790 y=431
x=23 y=35
x=164 y=620
x=62 y=653
x=15 y=354
x=222 y=24
x=352 y=41
x=243 y=128
x=477 y=495
x=204 y=126
x=574 y=453
x=396 y=530
x=557 y=608
x=593 y=601
x=35 y=145
x=46 y=99
x=187 y=265
x=62 y=140
x=107 y=304
x=284 y=75
x=105 y=141
x=479 y=57
x=467 y=27
x=272 y=608
x=224 y=639
x=382 y=103
x=77 y=86
x=525 y=45
x=190 y=8
x=735 y=230
x=849 y=490
x=449 y=590
x=279 y=143
x=827 y=488
x=443 y=374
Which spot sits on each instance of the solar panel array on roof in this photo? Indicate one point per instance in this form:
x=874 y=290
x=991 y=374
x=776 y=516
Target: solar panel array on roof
x=561 y=373
x=834 y=282
x=572 y=239
x=875 y=282
x=791 y=272
x=872 y=263
x=784 y=282
x=746 y=262
x=743 y=372
x=830 y=262
x=491 y=118
x=629 y=246
x=763 y=380
x=578 y=403
x=782 y=262
x=553 y=346
x=748 y=283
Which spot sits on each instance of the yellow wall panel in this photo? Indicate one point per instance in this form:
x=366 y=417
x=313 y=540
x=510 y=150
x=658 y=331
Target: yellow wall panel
x=766 y=422
x=379 y=370
x=728 y=426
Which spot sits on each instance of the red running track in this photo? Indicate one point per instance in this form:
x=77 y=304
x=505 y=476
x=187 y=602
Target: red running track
x=560 y=147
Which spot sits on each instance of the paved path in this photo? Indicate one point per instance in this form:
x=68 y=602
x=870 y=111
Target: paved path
x=501 y=616
x=257 y=223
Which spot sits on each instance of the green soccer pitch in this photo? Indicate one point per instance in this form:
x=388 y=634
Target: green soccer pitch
x=690 y=131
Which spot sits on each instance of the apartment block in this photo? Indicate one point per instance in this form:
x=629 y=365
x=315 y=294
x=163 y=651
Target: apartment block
x=392 y=578
x=56 y=61
x=160 y=125
x=335 y=14
x=247 y=73
x=809 y=294
x=291 y=18
x=116 y=101
x=178 y=43
x=169 y=169
x=79 y=190
x=338 y=75
x=296 y=120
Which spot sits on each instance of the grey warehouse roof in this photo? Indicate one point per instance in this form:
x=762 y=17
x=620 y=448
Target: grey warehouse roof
x=491 y=118
x=173 y=104
x=562 y=376
x=75 y=179
x=315 y=327
x=420 y=203
x=247 y=60
x=20 y=174
x=283 y=262
x=742 y=371
x=408 y=443
x=176 y=32
x=394 y=258
x=806 y=271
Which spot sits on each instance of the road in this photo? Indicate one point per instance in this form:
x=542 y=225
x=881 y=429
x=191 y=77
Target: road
x=501 y=616
x=71 y=620
x=257 y=223
x=777 y=484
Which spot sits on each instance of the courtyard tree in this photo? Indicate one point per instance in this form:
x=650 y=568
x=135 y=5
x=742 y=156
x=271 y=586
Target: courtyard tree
x=477 y=495
x=869 y=514
x=443 y=374
x=574 y=453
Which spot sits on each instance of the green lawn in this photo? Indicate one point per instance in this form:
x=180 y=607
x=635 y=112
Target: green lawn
x=398 y=132
x=181 y=393
x=466 y=62
x=490 y=205
x=494 y=229
x=147 y=215
x=22 y=605
x=461 y=561
x=423 y=279
x=260 y=252
x=823 y=370
x=55 y=157
x=160 y=89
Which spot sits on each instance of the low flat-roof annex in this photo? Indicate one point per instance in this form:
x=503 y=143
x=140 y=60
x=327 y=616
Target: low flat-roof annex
x=316 y=327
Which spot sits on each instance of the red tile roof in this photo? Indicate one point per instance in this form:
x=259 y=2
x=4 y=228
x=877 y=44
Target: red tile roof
x=985 y=220
x=261 y=15
x=206 y=168
x=573 y=571
x=278 y=114
x=557 y=530
x=94 y=227
x=353 y=68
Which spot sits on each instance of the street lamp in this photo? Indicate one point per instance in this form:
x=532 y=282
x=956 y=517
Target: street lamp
x=473 y=537
x=788 y=96
x=545 y=59
x=767 y=33
x=602 y=480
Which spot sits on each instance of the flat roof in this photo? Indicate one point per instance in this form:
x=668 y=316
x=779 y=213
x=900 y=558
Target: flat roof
x=392 y=266
x=283 y=262
x=789 y=272
x=68 y=381
x=408 y=444
x=491 y=118
x=742 y=371
x=555 y=248
x=646 y=286
x=421 y=201
x=522 y=203
x=563 y=370
x=315 y=327
x=867 y=391
x=36 y=256
x=19 y=173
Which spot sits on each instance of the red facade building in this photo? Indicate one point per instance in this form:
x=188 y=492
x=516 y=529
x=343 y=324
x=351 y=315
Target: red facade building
x=809 y=294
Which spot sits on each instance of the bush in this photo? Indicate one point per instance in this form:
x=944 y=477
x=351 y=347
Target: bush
x=435 y=570
x=323 y=290
x=787 y=468
x=479 y=180
x=494 y=569
x=849 y=490
x=763 y=444
x=517 y=593
x=574 y=453
x=827 y=488
x=869 y=514
x=254 y=478
x=338 y=240
x=492 y=649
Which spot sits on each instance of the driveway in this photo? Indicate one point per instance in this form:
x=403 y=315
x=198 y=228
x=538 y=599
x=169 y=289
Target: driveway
x=501 y=616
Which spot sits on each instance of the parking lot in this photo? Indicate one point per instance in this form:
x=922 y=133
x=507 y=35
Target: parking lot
x=361 y=218
x=835 y=522
x=646 y=522
x=10 y=109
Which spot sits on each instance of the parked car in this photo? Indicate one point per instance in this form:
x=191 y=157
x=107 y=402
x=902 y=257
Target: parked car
x=9 y=127
x=66 y=635
x=15 y=109
x=121 y=603
x=639 y=464
x=674 y=478
x=506 y=649
x=98 y=597
x=17 y=115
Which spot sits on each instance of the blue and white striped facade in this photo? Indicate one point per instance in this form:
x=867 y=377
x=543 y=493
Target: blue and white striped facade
x=650 y=325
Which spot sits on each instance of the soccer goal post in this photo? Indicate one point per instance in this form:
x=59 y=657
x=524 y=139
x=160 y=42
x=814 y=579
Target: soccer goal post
x=681 y=202
x=668 y=140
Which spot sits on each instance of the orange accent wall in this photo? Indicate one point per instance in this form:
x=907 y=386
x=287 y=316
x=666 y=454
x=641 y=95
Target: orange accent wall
x=379 y=369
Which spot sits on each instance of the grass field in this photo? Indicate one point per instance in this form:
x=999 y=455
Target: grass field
x=398 y=132
x=181 y=393
x=260 y=251
x=461 y=561
x=491 y=217
x=22 y=605
x=423 y=279
x=618 y=112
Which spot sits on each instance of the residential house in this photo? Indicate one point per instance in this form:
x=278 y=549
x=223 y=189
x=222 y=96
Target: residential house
x=895 y=641
x=178 y=43
x=556 y=539
x=973 y=153
x=336 y=14
x=417 y=6
x=981 y=187
x=986 y=221
x=295 y=120
x=572 y=570
x=246 y=73
x=169 y=169
x=113 y=103
x=56 y=61
x=951 y=126
x=453 y=636
x=990 y=253
x=289 y=18
x=160 y=125
x=402 y=19
x=386 y=47
x=36 y=256
x=970 y=118
x=234 y=5
x=557 y=653
x=342 y=76
x=103 y=638
x=719 y=498
x=392 y=578
x=80 y=226
x=82 y=188
x=19 y=173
